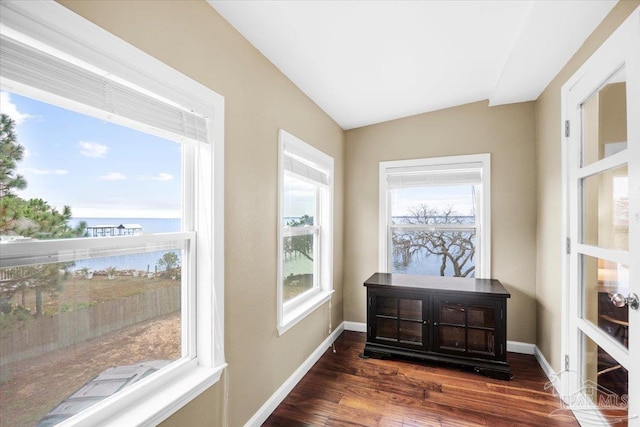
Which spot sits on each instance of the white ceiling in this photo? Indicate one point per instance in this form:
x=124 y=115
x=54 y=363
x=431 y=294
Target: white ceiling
x=366 y=62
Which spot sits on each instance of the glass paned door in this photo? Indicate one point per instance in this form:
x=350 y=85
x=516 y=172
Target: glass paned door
x=410 y=316
x=603 y=168
x=399 y=320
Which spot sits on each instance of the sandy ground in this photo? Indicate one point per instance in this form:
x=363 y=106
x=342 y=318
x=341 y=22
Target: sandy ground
x=32 y=388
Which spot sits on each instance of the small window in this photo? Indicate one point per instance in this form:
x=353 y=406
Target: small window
x=435 y=216
x=306 y=229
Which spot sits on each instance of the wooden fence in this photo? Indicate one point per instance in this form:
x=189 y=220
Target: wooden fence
x=48 y=333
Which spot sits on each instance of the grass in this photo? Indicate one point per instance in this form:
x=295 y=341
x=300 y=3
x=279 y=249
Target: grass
x=76 y=292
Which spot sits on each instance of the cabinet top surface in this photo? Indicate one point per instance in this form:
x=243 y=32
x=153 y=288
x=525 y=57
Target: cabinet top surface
x=436 y=283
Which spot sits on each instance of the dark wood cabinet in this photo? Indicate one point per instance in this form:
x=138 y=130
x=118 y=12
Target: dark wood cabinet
x=441 y=319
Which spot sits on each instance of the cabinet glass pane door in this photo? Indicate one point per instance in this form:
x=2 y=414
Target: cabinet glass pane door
x=386 y=329
x=481 y=341
x=410 y=309
x=481 y=317
x=399 y=320
x=410 y=313
x=467 y=328
x=387 y=306
x=481 y=333
x=387 y=318
x=410 y=332
x=452 y=338
x=453 y=314
x=452 y=331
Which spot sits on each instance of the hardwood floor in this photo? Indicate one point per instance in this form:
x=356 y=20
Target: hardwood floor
x=344 y=390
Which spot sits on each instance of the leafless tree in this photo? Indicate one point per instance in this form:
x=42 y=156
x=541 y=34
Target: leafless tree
x=453 y=246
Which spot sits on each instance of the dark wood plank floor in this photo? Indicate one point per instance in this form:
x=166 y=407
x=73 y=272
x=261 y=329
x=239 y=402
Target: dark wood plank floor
x=344 y=390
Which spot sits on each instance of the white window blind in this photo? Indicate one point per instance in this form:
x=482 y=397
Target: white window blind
x=304 y=170
x=35 y=68
x=453 y=174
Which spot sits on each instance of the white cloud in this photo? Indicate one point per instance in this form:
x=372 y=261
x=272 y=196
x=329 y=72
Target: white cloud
x=9 y=108
x=47 y=171
x=113 y=176
x=92 y=149
x=162 y=176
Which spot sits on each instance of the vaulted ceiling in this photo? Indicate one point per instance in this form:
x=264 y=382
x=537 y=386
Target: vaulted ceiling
x=365 y=62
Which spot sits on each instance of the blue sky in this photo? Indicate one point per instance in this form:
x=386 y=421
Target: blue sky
x=98 y=168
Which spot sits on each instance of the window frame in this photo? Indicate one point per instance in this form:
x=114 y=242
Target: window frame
x=483 y=225
x=51 y=27
x=293 y=311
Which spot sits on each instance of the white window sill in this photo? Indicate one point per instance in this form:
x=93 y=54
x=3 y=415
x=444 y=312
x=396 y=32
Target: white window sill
x=149 y=403
x=302 y=310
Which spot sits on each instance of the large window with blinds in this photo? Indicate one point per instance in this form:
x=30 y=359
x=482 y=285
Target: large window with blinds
x=305 y=231
x=435 y=216
x=111 y=266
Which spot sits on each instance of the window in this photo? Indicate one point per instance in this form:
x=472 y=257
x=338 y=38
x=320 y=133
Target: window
x=141 y=273
x=435 y=216
x=305 y=272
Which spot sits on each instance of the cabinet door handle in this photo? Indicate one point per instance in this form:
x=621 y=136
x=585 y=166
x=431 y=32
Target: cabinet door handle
x=435 y=323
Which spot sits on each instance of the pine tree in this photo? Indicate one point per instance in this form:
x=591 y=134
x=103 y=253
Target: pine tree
x=29 y=218
x=10 y=154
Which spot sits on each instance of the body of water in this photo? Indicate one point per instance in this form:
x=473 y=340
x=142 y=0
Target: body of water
x=422 y=263
x=143 y=261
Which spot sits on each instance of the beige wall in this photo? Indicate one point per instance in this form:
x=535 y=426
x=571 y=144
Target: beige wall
x=193 y=38
x=549 y=188
x=507 y=132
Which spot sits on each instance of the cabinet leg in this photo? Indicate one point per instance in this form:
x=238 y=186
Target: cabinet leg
x=491 y=373
x=375 y=354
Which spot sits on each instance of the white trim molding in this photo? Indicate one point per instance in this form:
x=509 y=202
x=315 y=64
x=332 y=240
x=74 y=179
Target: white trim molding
x=355 y=326
x=521 y=347
x=544 y=364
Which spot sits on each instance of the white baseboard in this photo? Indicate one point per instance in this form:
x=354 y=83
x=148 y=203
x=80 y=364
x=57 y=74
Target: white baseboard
x=272 y=403
x=544 y=364
x=355 y=326
x=520 y=347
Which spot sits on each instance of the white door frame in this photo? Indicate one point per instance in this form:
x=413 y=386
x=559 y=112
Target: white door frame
x=622 y=47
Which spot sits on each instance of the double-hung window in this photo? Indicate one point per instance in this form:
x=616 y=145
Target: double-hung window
x=144 y=306
x=306 y=230
x=435 y=216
